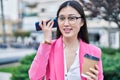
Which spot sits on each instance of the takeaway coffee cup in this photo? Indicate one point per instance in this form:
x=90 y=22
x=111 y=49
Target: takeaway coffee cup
x=88 y=62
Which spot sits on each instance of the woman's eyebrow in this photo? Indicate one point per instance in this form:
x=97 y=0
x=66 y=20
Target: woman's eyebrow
x=69 y=15
x=72 y=14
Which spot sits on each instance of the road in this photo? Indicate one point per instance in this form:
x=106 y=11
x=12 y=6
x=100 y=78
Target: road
x=12 y=54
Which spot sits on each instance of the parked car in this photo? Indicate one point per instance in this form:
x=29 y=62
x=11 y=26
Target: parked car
x=3 y=45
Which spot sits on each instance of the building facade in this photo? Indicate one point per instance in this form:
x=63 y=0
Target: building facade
x=22 y=15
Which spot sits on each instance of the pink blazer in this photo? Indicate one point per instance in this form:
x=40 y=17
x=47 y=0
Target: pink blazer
x=49 y=60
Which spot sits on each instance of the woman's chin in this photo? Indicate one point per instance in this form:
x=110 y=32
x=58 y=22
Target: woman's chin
x=67 y=35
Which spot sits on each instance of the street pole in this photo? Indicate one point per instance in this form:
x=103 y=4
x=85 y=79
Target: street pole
x=3 y=22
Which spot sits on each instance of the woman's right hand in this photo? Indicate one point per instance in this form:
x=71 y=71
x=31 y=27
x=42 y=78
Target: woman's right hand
x=47 y=29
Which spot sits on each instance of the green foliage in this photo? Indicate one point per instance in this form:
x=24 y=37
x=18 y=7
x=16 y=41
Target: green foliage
x=28 y=59
x=22 y=34
x=111 y=63
x=21 y=72
x=110 y=51
x=7 y=69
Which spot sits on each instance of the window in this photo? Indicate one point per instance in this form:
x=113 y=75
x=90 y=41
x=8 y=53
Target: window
x=42 y=10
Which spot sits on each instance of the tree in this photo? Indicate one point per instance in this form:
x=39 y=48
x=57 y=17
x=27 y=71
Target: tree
x=106 y=9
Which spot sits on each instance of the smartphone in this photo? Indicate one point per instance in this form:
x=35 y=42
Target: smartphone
x=38 y=28
x=88 y=62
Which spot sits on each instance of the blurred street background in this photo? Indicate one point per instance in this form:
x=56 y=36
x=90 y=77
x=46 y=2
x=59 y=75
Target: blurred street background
x=19 y=39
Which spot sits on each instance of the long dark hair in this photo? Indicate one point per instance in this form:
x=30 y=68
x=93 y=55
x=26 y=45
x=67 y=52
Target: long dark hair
x=83 y=33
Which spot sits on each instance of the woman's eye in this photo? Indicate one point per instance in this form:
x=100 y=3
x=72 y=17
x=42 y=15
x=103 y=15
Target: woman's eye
x=62 y=18
x=71 y=18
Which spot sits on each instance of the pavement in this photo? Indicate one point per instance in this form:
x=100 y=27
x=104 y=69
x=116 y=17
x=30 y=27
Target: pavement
x=5 y=76
x=10 y=55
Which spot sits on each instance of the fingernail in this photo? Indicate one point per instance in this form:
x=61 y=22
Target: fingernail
x=87 y=72
x=90 y=68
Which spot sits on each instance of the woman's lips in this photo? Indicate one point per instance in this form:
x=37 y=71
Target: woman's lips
x=67 y=30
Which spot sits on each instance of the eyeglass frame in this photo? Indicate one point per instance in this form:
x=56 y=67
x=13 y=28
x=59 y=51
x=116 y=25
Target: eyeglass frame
x=63 y=21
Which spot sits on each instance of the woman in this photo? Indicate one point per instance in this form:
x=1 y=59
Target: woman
x=62 y=58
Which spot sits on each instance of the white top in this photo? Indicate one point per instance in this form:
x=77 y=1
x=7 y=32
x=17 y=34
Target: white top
x=74 y=71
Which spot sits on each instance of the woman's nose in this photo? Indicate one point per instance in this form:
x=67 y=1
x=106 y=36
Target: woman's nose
x=66 y=22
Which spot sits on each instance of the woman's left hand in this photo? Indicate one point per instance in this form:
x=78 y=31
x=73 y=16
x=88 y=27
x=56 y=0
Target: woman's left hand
x=93 y=74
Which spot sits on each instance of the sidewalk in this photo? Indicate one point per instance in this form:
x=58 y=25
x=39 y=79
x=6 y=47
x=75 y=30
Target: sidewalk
x=5 y=76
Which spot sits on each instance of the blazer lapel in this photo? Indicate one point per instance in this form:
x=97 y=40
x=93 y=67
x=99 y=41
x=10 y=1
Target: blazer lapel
x=59 y=60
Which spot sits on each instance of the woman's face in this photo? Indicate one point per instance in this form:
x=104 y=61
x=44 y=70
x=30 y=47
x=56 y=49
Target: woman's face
x=70 y=22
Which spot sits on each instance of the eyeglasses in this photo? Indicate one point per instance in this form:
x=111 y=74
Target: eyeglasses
x=71 y=19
